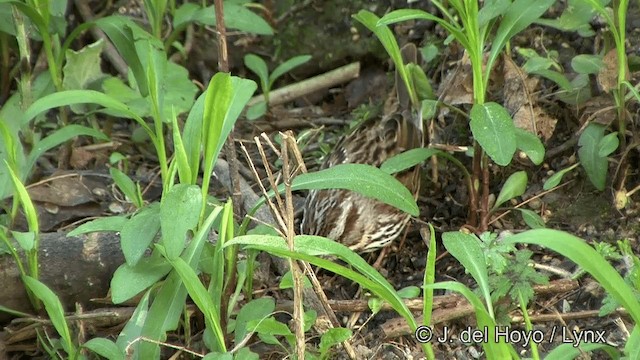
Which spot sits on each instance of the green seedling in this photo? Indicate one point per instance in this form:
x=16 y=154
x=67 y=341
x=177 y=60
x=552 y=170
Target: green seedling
x=259 y=67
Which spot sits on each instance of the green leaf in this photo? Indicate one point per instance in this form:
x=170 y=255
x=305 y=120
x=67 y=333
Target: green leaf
x=515 y=186
x=571 y=351
x=363 y=179
x=26 y=240
x=257 y=110
x=105 y=348
x=420 y=82
x=493 y=129
x=255 y=309
x=128 y=281
x=287 y=66
x=168 y=306
x=411 y=14
x=333 y=337
x=407 y=159
x=120 y=31
x=388 y=41
x=132 y=330
x=236 y=16
x=409 y=292
x=127 y=186
x=308 y=247
x=531 y=218
x=177 y=90
x=54 y=309
x=259 y=67
x=287 y=281
x=587 y=64
x=595 y=165
x=467 y=250
x=179 y=213
x=25 y=200
x=138 y=233
x=106 y=224
x=555 y=179
x=491 y=10
x=201 y=297
x=608 y=144
x=530 y=145
x=82 y=69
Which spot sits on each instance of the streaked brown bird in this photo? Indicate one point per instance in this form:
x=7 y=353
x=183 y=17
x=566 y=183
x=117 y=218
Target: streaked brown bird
x=361 y=223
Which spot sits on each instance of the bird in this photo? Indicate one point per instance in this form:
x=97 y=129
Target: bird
x=361 y=223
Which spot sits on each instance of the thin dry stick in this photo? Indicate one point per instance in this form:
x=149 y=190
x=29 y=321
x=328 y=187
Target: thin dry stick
x=305 y=87
x=298 y=310
x=230 y=152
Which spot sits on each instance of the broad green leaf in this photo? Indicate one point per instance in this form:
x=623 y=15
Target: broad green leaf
x=407 y=160
x=105 y=348
x=409 y=292
x=530 y=145
x=515 y=186
x=587 y=64
x=177 y=90
x=466 y=249
x=128 y=281
x=259 y=67
x=363 y=179
x=255 y=309
x=236 y=16
x=54 y=309
x=106 y=224
x=576 y=17
x=287 y=281
x=578 y=251
x=333 y=337
x=595 y=165
x=421 y=83
x=287 y=66
x=179 y=213
x=493 y=129
x=257 y=110
x=608 y=144
x=26 y=240
x=532 y=219
x=82 y=69
x=138 y=233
